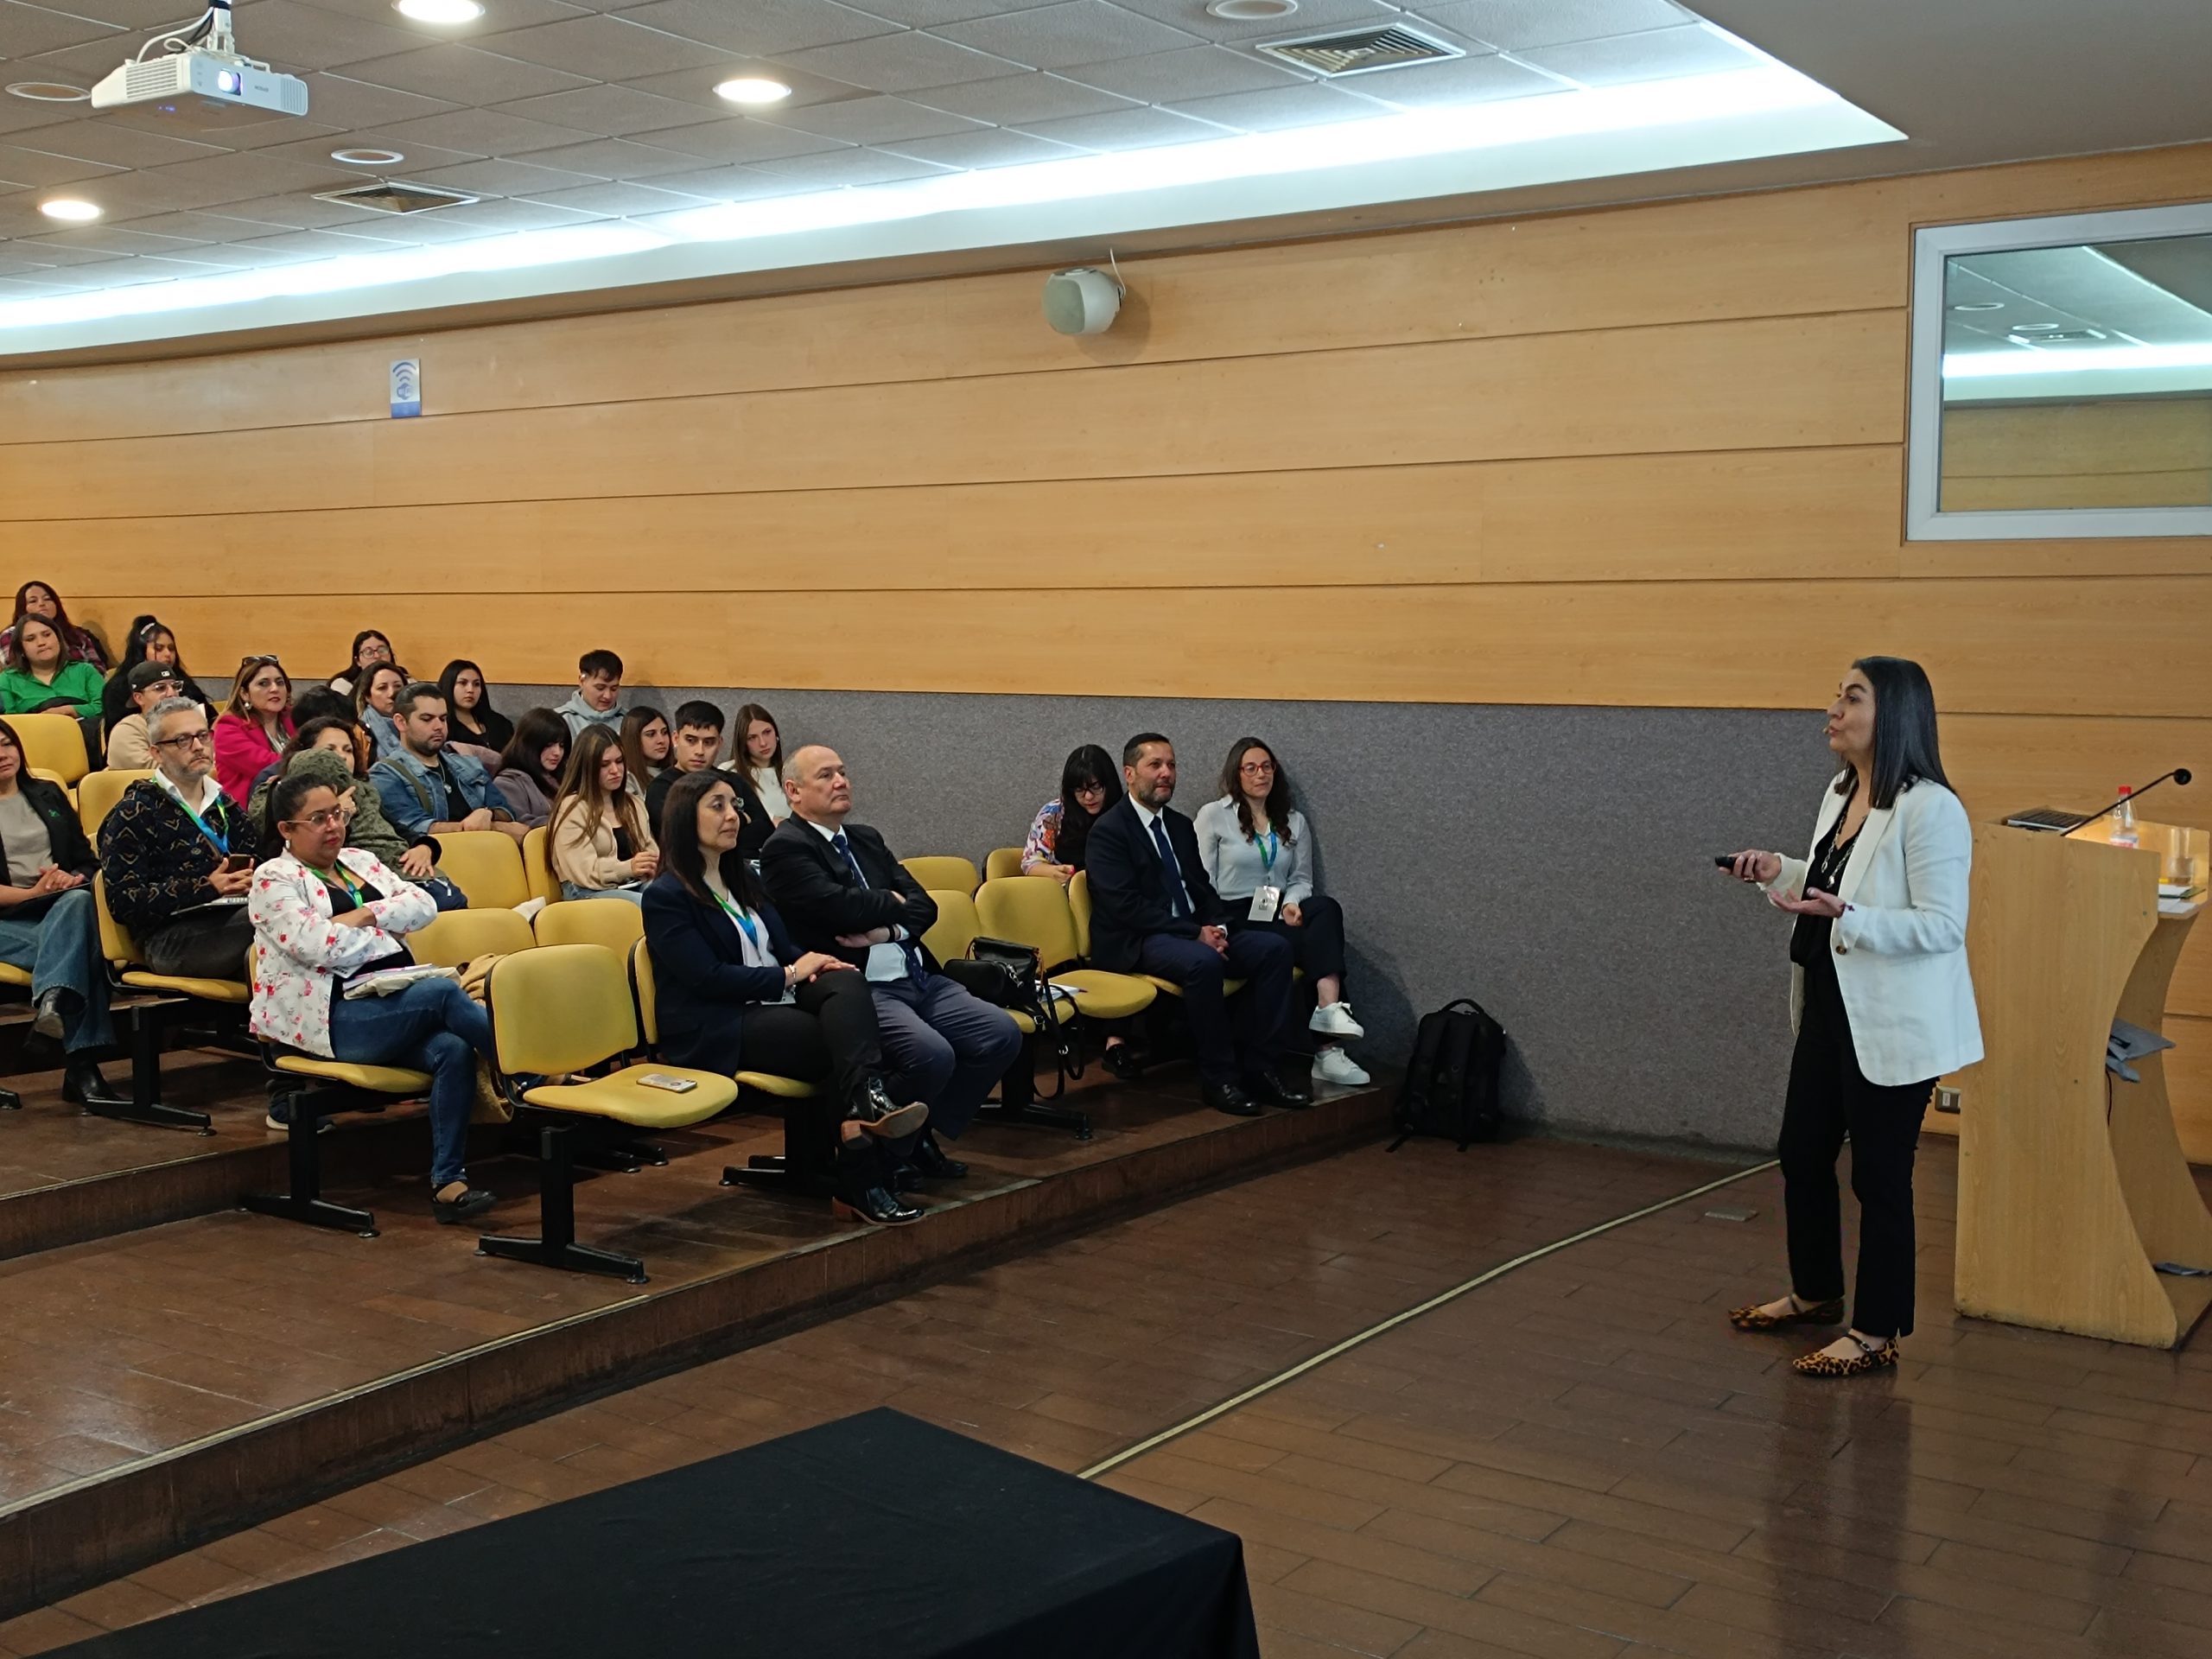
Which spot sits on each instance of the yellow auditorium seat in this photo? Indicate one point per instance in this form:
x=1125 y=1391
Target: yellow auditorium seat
x=459 y=935
x=615 y=923
x=559 y=1010
x=1036 y=913
x=53 y=743
x=1002 y=862
x=486 y=865
x=955 y=927
x=96 y=794
x=224 y=998
x=1079 y=909
x=537 y=867
x=944 y=871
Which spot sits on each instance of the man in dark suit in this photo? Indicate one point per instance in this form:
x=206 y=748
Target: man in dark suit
x=841 y=891
x=1154 y=912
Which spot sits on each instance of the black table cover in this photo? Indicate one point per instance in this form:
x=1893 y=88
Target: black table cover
x=875 y=1534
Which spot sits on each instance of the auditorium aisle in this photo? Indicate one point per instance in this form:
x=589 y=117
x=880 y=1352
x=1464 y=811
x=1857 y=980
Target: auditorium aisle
x=1578 y=1459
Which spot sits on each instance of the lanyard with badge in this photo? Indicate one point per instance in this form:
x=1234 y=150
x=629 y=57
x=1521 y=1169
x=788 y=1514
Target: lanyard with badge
x=1267 y=899
x=221 y=837
x=745 y=924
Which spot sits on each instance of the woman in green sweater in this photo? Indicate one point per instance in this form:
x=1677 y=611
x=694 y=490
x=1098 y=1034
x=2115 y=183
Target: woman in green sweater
x=39 y=675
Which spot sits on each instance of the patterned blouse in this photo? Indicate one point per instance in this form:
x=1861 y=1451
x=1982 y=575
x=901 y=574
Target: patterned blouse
x=1044 y=838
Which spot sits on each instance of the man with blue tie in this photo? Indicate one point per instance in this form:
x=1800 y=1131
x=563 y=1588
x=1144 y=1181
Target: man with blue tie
x=1154 y=912
x=839 y=889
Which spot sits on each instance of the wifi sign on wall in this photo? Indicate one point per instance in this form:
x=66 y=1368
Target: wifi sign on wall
x=406 y=387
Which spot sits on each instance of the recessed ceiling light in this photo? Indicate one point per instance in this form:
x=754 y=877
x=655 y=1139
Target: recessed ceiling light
x=2036 y=327
x=439 y=11
x=75 y=209
x=753 y=89
x=1251 y=11
x=368 y=157
x=1980 y=305
x=49 y=91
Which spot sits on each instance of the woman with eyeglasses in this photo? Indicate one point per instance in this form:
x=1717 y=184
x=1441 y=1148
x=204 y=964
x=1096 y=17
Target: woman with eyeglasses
x=151 y=641
x=326 y=749
x=1258 y=853
x=470 y=717
x=325 y=913
x=48 y=926
x=78 y=645
x=370 y=648
x=1089 y=783
x=375 y=697
x=254 y=727
x=40 y=676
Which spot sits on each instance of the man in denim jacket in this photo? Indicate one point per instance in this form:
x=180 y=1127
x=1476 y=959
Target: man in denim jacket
x=428 y=788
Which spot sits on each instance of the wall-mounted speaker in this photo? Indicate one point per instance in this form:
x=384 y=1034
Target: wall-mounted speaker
x=1081 y=302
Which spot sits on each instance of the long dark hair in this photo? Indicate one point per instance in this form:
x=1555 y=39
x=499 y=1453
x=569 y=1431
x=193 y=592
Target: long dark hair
x=483 y=712
x=1278 y=801
x=62 y=625
x=745 y=716
x=1084 y=767
x=633 y=743
x=353 y=668
x=20 y=659
x=144 y=630
x=581 y=792
x=367 y=678
x=536 y=731
x=303 y=740
x=680 y=852
x=1904 y=731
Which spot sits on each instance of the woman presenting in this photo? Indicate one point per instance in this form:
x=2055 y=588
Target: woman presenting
x=1881 y=1002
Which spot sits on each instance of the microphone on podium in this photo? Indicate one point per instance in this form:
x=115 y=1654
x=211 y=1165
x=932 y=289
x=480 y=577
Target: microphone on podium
x=2179 y=774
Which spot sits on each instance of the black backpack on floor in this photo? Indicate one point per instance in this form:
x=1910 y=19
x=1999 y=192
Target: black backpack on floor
x=1450 y=1084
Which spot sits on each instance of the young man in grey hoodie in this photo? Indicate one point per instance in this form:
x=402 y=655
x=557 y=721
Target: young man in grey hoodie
x=598 y=701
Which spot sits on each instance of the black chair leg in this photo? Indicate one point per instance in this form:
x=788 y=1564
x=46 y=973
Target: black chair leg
x=555 y=1244
x=145 y=1105
x=10 y=1101
x=305 y=1202
x=806 y=1168
x=1018 y=1103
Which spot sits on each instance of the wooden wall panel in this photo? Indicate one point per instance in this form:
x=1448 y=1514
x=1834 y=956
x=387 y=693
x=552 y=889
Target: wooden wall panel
x=2149 y=452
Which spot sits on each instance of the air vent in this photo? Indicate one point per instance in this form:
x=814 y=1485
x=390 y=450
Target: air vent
x=2067 y=336
x=1361 y=52
x=391 y=196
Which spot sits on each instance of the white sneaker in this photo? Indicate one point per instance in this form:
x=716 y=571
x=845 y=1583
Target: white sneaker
x=1335 y=1065
x=1336 y=1020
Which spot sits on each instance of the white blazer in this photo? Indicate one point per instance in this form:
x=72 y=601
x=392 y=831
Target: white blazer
x=1901 y=943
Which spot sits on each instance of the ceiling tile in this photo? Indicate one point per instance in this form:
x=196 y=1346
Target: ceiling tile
x=293 y=36
x=144 y=16
x=697 y=86
x=1463 y=80
x=872 y=120
x=1125 y=130
x=612 y=111
x=320 y=244
x=504 y=217
x=461 y=74
x=204 y=227
x=1177 y=77
x=1658 y=55
x=503 y=178
x=507 y=14
x=852 y=167
x=115 y=146
x=108 y=273
x=483 y=132
x=616 y=158
x=23 y=114
x=986 y=147
x=134 y=195
x=264 y=134
x=731 y=183
x=1017 y=100
x=1280 y=108
x=901 y=63
x=740 y=140
x=1312 y=17
x=106 y=239
x=928 y=14
x=84 y=64
x=38 y=171
x=760 y=27
x=1512 y=24
x=621 y=201
x=25 y=31
x=603 y=48
x=1079 y=31
x=242 y=177
x=317 y=150
x=354 y=104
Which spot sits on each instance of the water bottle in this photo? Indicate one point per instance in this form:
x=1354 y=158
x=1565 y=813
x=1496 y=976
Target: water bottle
x=2123 y=821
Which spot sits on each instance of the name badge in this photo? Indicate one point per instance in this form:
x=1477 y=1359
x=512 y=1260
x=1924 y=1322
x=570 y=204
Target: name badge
x=1265 y=901
x=885 y=964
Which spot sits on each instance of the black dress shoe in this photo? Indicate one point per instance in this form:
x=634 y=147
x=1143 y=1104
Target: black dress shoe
x=1228 y=1097
x=874 y=1110
x=1265 y=1086
x=929 y=1158
x=873 y=1203
x=82 y=1085
x=472 y=1202
x=1122 y=1060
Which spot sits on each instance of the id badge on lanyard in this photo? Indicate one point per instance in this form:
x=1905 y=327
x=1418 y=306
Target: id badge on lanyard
x=1267 y=899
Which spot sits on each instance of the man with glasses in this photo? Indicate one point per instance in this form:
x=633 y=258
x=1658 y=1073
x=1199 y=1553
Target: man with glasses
x=178 y=854
x=129 y=748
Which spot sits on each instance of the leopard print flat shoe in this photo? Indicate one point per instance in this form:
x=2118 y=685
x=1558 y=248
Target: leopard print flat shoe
x=1871 y=1357
x=1755 y=1318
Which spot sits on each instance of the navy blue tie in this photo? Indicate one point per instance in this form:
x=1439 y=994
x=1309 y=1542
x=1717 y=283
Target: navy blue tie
x=1178 y=898
x=915 y=971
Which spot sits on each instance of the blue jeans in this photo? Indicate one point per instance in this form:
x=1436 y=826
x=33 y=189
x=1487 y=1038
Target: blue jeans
x=944 y=1046
x=633 y=895
x=443 y=893
x=60 y=948
x=433 y=1027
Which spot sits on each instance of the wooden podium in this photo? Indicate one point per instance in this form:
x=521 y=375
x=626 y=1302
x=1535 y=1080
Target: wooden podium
x=2071 y=1181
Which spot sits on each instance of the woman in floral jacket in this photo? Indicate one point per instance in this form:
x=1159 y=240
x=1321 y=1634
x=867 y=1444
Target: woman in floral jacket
x=324 y=913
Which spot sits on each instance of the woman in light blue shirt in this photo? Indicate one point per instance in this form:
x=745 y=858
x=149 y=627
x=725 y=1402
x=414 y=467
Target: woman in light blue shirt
x=1259 y=855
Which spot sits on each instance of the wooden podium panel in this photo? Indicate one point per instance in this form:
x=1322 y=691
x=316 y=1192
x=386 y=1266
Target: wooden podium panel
x=2071 y=1181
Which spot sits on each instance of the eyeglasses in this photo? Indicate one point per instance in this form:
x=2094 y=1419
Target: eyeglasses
x=189 y=740
x=1257 y=768
x=321 y=820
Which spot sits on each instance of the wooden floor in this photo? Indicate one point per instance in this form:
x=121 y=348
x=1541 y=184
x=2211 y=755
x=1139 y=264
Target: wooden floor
x=1579 y=1458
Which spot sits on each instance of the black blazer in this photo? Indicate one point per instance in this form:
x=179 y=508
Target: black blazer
x=1128 y=893
x=751 y=838
x=65 y=834
x=701 y=978
x=820 y=899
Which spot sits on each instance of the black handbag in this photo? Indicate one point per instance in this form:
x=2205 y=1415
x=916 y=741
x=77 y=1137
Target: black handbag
x=1011 y=976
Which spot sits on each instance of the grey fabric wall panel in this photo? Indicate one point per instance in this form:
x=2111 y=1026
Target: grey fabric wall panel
x=1554 y=863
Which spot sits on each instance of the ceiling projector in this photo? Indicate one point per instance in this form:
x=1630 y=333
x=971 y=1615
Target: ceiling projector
x=197 y=78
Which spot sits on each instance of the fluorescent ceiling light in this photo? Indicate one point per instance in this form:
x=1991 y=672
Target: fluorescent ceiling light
x=439 y=11
x=2085 y=359
x=74 y=209
x=753 y=89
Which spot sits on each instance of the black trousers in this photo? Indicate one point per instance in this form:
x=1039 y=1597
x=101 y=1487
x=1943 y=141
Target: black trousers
x=827 y=1035
x=1316 y=944
x=1829 y=1097
x=207 y=944
x=1251 y=1039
